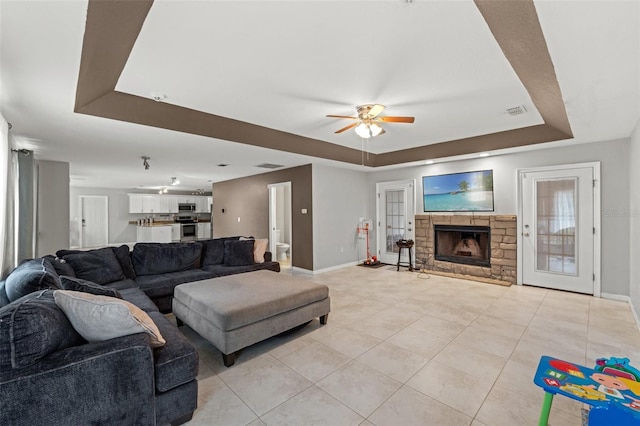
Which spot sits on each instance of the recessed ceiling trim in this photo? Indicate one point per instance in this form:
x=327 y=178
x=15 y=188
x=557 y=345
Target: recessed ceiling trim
x=112 y=29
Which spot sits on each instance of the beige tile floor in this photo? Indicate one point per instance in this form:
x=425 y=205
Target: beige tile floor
x=402 y=348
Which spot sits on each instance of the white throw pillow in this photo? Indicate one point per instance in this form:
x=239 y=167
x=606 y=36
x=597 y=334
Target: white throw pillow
x=98 y=318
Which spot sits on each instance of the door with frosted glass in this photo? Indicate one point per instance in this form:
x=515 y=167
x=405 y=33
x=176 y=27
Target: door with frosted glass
x=558 y=229
x=395 y=218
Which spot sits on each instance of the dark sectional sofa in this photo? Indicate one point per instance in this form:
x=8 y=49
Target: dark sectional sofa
x=50 y=374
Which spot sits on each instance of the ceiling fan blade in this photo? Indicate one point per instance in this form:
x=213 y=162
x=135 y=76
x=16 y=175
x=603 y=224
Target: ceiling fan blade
x=375 y=110
x=350 y=126
x=390 y=119
x=342 y=116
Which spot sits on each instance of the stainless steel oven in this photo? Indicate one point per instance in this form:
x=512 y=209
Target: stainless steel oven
x=188 y=227
x=188 y=231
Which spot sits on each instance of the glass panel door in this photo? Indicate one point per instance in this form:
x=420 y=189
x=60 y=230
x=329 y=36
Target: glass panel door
x=556 y=216
x=395 y=218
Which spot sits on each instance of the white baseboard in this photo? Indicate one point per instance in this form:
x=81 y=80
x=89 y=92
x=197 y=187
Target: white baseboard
x=623 y=298
x=329 y=269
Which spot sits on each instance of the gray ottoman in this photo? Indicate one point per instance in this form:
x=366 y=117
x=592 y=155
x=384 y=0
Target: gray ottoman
x=236 y=311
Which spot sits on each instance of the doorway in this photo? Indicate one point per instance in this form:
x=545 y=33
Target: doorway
x=395 y=207
x=558 y=234
x=94 y=221
x=280 y=229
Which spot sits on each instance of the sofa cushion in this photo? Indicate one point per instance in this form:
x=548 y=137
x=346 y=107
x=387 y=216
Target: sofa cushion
x=259 y=248
x=238 y=253
x=98 y=318
x=123 y=254
x=4 y=300
x=61 y=266
x=140 y=299
x=160 y=258
x=31 y=328
x=78 y=284
x=213 y=250
x=100 y=266
x=32 y=275
x=162 y=285
x=176 y=362
x=221 y=270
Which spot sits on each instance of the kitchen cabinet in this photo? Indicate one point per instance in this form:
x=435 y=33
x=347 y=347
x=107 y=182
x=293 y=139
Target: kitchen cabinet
x=153 y=234
x=202 y=205
x=150 y=203
x=204 y=230
x=135 y=204
x=175 y=232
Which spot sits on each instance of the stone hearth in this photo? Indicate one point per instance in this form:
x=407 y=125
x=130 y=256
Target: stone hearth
x=503 y=246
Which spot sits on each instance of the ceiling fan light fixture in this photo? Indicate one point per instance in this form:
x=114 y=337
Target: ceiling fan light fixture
x=363 y=130
x=375 y=129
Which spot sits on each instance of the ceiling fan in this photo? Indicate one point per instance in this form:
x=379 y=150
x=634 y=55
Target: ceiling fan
x=366 y=124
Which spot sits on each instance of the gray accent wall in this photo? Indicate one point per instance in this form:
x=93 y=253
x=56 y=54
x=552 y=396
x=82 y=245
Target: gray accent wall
x=340 y=199
x=612 y=156
x=52 y=228
x=248 y=199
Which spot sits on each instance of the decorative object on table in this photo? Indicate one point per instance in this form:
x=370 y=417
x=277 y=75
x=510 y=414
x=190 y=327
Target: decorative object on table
x=468 y=191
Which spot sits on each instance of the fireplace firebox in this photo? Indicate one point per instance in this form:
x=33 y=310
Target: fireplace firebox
x=470 y=245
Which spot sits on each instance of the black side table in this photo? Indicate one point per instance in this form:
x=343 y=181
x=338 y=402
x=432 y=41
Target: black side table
x=404 y=244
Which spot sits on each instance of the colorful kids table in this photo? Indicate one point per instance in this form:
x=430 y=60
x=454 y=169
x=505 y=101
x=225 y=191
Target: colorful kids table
x=614 y=400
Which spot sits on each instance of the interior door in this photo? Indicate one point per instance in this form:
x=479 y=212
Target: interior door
x=558 y=242
x=94 y=230
x=396 y=215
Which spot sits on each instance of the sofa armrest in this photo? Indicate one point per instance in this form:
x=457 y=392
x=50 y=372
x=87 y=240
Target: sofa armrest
x=95 y=383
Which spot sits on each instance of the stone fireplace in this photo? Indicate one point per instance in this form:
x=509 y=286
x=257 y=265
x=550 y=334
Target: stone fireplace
x=469 y=246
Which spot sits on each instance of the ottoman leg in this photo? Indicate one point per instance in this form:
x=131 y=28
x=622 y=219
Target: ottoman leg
x=324 y=318
x=229 y=359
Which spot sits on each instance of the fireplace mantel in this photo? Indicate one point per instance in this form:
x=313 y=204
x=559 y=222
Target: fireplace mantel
x=503 y=246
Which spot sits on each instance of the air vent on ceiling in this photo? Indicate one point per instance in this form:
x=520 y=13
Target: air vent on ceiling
x=269 y=166
x=517 y=110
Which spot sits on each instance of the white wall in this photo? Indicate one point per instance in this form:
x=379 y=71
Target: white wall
x=615 y=193
x=120 y=231
x=340 y=198
x=53 y=207
x=634 y=217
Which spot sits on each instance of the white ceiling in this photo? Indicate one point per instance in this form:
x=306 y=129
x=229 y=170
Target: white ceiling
x=285 y=65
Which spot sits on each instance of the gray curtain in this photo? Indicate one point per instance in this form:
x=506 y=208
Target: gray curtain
x=26 y=212
x=7 y=183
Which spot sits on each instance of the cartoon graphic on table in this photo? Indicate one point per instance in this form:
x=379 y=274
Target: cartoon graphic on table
x=609 y=385
x=612 y=396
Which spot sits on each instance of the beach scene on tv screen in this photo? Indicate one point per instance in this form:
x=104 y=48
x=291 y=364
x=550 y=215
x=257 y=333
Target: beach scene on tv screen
x=469 y=191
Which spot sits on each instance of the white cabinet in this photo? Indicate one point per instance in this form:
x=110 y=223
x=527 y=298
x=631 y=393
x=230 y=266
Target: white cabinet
x=153 y=234
x=204 y=230
x=135 y=204
x=202 y=205
x=209 y=204
x=185 y=199
x=150 y=203
x=175 y=232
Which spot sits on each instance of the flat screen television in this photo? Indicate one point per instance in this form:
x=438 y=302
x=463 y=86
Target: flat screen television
x=458 y=192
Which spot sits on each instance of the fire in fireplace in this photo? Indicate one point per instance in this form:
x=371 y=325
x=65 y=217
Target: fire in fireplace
x=470 y=245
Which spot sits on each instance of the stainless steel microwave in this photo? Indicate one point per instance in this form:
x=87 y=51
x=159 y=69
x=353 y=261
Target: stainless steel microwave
x=186 y=207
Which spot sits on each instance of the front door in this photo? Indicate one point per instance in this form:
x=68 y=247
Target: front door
x=396 y=214
x=558 y=228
